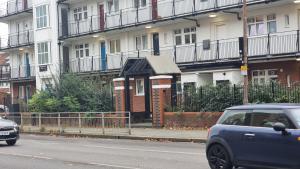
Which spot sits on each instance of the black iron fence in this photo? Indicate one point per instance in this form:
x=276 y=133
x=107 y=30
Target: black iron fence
x=12 y=7
x=17 y=40
x=218 y=98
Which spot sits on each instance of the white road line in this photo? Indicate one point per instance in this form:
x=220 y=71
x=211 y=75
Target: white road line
x=27 y=156
x=48 y=158
x=114 y=166
x=144 y=150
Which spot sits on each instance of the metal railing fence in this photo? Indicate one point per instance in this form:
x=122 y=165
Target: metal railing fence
x=96 y=123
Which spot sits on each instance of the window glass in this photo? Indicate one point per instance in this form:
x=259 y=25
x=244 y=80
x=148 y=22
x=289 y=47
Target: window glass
x=185 y=36
x=80 y=13
x=140 y=87
x=267 y=118
x=82 y=50
x=43 y=53
x=272 y=25
x=234 y=117
x=41 y=16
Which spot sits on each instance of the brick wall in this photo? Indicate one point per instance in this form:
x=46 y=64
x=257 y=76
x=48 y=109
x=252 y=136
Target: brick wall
x=285 y=68
x=202 y=120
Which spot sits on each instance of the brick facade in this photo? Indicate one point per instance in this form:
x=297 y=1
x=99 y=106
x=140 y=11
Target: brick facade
x=284 y=69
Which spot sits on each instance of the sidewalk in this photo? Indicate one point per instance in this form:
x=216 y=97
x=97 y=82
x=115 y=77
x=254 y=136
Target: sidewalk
x=136 y=134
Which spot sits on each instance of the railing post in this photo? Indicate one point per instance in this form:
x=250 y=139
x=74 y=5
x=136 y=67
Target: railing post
x=216 y=3
x=28 y=37
x=105 y=20
x=77 y=26
x=122 y=60
x=121 y=17
x=218 y=51
x=195 y=52
x=138 y=53
x=298 y=41
x=22 y=122
x=92 y=63
x=40 y=121
x=18 y=38
x=129 y=123
x=137 y=14
x=194 y=6
x=269 y=44
x=173 y=10
x=59 y=123
x=91 y=24
x=175 y=53
x=79 y=65
x=79 y=122
x=103 y=123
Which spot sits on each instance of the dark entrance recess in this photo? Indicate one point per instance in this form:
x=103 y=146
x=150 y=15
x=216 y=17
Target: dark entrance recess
x=66 y=60
x=154 y=10
x=145 y=68
x=102 y=17
x=64 y=20
x=156 y=50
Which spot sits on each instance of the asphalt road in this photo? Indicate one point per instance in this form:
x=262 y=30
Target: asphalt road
x=50 y=152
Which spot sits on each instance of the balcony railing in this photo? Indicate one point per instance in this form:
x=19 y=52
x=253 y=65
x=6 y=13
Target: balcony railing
x=17 y=40
x=23 y=72
x=13 y=7
x=269 y=46
x=163 y=10
x=4 y=72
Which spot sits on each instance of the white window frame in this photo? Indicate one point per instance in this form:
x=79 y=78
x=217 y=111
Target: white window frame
x=142 y=82
x=263 y=74
x=141 y=42
x=43 y=52
x=271 y=19
x=82 y=50
x=115 y=46
x=42 y=19
x=256 y=23
x=181 y=34
x=139 y=3
x=112 y=7
x=80 y=13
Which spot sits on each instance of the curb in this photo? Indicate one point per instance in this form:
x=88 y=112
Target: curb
x=119 y=137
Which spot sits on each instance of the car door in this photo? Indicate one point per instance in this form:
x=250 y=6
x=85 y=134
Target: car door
x=265 y=146
x=233 y=127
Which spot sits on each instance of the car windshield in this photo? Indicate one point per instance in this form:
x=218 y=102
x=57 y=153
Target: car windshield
x=296 y=115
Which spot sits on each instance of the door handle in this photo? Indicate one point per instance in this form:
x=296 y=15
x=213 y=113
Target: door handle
x=249 y=135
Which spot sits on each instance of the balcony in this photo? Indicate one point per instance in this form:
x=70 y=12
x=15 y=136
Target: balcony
x=130 y=17
x=15 y=7
x=269 y=46
x=4 y=72
x=16 y=40
x=23 y=72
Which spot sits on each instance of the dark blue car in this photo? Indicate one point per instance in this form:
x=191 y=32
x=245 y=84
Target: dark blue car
x=262 y=136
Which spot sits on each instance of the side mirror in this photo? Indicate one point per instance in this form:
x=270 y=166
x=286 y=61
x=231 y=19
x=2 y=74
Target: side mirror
x=280 y=127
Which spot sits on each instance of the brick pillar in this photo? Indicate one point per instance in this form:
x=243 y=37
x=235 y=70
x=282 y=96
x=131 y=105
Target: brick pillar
x=161 y=97
x=119 y=91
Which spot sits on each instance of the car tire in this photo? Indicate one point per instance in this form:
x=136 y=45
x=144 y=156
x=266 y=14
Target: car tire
x=11 y=142
x=218 y=157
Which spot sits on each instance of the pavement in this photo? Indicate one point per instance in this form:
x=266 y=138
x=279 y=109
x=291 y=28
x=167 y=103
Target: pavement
x=136 y=134
x=49 y=152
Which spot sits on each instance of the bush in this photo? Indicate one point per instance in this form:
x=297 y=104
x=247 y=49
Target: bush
x=72 y=94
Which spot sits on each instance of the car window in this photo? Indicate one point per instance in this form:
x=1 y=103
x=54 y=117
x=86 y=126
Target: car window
x=267 y=118
x=233 y=117
x=296 y=115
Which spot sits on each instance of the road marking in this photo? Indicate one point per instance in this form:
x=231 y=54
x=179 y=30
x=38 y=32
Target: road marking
x=27 y=156
x=144 y=150
x=48 y=158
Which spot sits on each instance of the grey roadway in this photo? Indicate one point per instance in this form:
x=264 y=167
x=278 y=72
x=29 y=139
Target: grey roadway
x=50 y=152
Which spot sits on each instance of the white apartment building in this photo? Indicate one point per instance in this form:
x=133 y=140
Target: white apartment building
x=96 y=37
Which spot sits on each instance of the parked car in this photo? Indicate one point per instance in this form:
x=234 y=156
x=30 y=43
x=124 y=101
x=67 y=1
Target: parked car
x=259 y=136
x=9 y=131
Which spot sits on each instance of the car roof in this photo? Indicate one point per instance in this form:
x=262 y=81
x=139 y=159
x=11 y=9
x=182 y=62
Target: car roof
x=266 y=106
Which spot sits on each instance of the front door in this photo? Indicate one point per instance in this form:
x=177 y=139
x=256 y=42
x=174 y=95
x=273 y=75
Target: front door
x=154 y=10
x=25 y=4
x=156 y=50
x=101 y=17
x=103 y=65
x=64 y=20
x=27 y=65
x=66 y=60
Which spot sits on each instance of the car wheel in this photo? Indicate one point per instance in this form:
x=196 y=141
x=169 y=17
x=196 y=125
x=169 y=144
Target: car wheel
x=218 y=157
x=11 y=142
